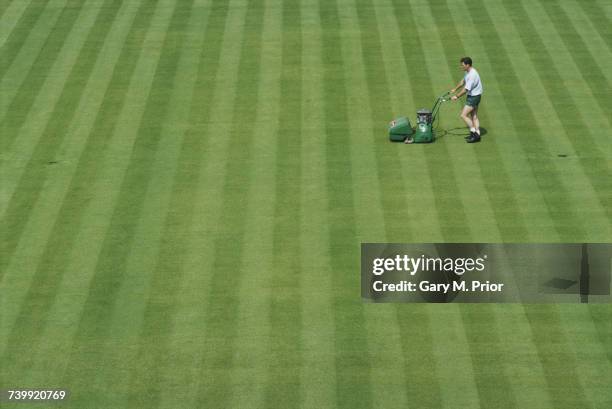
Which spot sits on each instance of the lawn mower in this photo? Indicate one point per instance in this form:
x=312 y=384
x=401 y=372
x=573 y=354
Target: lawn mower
x=400 y=129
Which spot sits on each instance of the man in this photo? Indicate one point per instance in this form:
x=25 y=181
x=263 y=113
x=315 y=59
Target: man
x=473 y=88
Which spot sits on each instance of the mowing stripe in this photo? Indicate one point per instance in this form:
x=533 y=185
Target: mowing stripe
x=591 y=159
x=518 y=353
x=283 y=381
x=602 y=319
x=604 y=6
x=530 y=371
x=366 y=84
x=454 y=332
x=17 y=69
x=20 y=107
x=27 y=22
x=437 y=328
x=580 y=190
x=4 y=6
x=443 y=25
x=393 y=199
x=222 y=303
x=582 y=57
x=181 y=225
x=529 y=132
x=368 y=206
x=564 y=385
x=479 y=378
x=493 y=345
x=250 y=372
x=10 y=14
x=114 y=353
x=444 y=184
x=21 y=271
x=352 y=364
x=599 y=47
x=113 y=267
x=200 y=179
x=481 y=329
x=318 y=371
x=118 y=352
x=181 y=216
x=597 y=17
x=380 y=199
x=498 y=205
x=452 y=356
x=519 y=157
x=480 y=323
x=117 y=140
x=557 y=386
x=24 y=197
x=423 y=388
x=63 y=115
x=143 y=270
x=453 y=227
x=549 y=367
x=591 y=362
x=471 y=191
x=212 y=115
x=599 y=121
x=412 y=161
x=72 y=67
x=15 y=158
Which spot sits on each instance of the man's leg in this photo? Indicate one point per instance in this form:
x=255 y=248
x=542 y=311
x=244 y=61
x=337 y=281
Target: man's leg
x=475 y=131
x=466 y=115
x=475 y=120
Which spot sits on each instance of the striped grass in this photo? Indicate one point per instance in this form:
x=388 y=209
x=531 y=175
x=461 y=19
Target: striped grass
x=186 y=183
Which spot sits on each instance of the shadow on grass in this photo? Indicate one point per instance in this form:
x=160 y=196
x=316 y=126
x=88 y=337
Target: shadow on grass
x=459 y=131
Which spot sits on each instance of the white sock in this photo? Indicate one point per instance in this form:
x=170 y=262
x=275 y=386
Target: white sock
x=478 y=131
x=472 y=129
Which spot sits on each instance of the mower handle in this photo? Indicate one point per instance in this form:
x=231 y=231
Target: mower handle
x=442 y=98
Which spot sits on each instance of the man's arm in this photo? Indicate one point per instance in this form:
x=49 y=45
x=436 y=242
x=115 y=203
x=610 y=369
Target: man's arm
x=461 y=84
x=462 y=92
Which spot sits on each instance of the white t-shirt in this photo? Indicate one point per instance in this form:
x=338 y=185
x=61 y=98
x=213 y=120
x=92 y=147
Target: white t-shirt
x=472 y=82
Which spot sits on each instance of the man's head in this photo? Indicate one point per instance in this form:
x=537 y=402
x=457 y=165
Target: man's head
x=466 y=63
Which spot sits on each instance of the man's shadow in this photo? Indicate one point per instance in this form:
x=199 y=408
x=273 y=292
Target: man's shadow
x=459 y=131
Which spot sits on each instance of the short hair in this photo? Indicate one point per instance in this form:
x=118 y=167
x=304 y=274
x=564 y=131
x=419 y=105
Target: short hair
x=466 y=60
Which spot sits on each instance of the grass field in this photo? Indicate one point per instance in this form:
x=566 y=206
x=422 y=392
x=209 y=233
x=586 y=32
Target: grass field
x=185 y=185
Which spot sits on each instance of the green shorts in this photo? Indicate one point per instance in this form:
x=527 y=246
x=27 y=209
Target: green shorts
x=473 y=100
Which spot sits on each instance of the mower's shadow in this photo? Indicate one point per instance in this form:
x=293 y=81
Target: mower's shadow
x=459 y=131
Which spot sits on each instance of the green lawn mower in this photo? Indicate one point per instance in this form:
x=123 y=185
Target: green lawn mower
x=400 y=129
